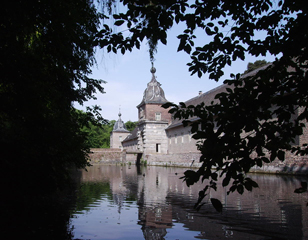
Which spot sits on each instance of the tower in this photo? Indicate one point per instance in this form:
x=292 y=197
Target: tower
x=153 y=119
x=118 y=134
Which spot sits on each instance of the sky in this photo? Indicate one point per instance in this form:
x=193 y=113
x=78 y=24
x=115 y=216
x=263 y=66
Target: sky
x=127 y=77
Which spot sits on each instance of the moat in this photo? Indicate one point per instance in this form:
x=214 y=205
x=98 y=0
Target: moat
x=126 y=202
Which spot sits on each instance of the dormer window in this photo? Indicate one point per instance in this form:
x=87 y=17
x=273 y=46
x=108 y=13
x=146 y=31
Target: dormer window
x=158 y=116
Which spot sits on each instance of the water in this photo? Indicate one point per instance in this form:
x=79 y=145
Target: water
x=124 y=202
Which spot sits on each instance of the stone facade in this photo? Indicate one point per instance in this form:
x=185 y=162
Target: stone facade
x=107 y=156
x=150 y=135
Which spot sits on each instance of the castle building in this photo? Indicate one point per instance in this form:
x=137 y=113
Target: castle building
x=118 y=134
x=159 y=137
x=156 y=132
x=150 y=135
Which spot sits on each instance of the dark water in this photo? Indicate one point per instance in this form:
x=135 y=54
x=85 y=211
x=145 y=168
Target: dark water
x=123 y=202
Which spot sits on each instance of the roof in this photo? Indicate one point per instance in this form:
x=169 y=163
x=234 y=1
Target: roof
x=132 y=135
x=119 y=125
x=153 y=93
x=209 y=96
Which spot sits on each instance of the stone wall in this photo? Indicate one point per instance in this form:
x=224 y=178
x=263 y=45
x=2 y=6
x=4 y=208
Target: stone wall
x=291 y=165
x=131 y=158
x=177 y=159
x=297 y=165
x=180 y=140
x=107 y=156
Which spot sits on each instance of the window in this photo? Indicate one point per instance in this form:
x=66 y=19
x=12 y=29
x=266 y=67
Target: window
x=182 y=134
x=175 y=139
x=158 y=147
x=120 y=138
x=158 y=116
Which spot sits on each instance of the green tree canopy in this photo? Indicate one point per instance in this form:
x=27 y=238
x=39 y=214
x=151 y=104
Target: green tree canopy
x=263 y=113
x=253 y=66
x=130 y=126
x=98 y=135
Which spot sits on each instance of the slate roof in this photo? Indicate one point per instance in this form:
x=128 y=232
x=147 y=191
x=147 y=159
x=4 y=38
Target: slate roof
x=119 y=125
x=206 y=97
x=132 y=135
x=209 y=96
x=153 y=93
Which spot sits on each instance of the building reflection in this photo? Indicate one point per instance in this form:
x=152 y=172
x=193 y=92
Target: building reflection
x=154 y=221
x=271 y=211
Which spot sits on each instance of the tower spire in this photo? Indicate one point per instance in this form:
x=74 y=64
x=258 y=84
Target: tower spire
x=153 y=93
x=153 y=70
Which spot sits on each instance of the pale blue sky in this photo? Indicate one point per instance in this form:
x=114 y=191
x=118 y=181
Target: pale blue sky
x=127 y=77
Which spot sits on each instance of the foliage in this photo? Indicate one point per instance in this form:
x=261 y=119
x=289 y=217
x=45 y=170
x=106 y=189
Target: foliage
x=98 y=135
x=46 y=49
x=263 y=113
x=130 y=126
x=257 y=64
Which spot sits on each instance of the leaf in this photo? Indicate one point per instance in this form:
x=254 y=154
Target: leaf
x=187 y=48
x=182 y=105
x=168 y=104
x=216 y=204
x=248 y=185
x=254 y=184
x=240 y=189
x=226 y=181
x=198 y=207
x=163 y=41
x=119 y=22
x=182 y=44
x=115 y=16
x=214 y=176
x=281 y=155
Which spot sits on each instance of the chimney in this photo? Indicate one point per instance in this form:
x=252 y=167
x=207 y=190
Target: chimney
x=200 y=92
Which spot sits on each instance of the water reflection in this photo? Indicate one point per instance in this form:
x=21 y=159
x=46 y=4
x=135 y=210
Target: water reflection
x=153 y=203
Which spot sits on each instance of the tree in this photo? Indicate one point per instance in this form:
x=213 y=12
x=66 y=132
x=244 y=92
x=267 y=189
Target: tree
x=46 y=48
x=253 y=66
x=98 y=135
x=130 y=126
x=263 y=113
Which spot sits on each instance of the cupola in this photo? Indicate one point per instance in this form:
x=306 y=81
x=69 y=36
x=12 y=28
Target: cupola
x=153 y=93
x=119 y=125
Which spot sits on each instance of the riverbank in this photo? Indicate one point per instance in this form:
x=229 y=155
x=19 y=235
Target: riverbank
x=292 y=165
